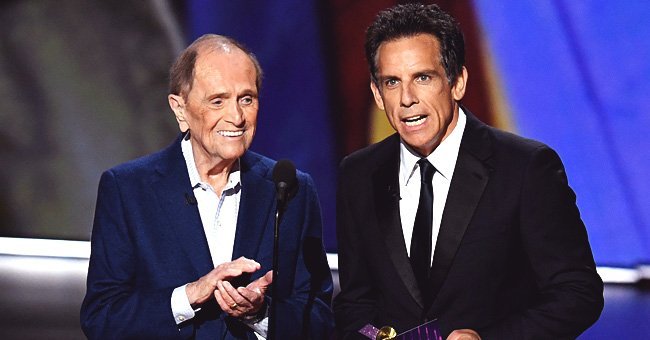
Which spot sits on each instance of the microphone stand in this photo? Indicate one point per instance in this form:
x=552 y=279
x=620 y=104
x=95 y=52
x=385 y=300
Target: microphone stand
x=276 y=237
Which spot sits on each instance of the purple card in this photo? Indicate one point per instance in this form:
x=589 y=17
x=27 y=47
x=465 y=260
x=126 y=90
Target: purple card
x=369 y=331
x=426 y=331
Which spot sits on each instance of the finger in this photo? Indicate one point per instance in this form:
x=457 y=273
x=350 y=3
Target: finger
x=221 y=301
x=231 y=296
x=236 y=296
x=229 y=309
x=230 y=302
x=224 y=273
x=229 y=270
x=256 y=300
x=248 y=263
x=250 y=295
x=240 y=306
x=267 y=278
x=262 y=284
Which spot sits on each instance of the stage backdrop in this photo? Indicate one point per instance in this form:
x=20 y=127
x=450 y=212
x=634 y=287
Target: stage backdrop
x=84 y=88
x=571 y=74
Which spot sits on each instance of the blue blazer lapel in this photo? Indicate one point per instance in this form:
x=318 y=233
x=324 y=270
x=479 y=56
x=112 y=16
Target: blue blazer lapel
x=171 y=185
x=256 y=207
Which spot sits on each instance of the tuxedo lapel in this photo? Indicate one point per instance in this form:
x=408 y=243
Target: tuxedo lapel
x=255 y=207
x=470 y=178
x=386 y=194
x=172 y=187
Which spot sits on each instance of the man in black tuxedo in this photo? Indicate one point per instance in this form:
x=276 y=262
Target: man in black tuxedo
x=450 y=218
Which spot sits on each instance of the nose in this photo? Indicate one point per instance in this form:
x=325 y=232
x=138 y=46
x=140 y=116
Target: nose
x=235 y=114
x=408 y=97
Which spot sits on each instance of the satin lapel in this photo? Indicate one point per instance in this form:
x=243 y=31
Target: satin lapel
x=386 y=193
x=471 y=176
x=170 y=187
x=255 y=206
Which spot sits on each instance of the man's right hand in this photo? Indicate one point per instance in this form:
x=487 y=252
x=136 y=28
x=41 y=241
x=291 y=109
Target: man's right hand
x=464 y=334
x=202 y=290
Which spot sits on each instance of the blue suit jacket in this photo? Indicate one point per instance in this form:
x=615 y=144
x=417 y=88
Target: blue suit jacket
x=147 y=240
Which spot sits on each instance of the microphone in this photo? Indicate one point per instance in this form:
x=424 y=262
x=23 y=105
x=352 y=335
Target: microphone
x=286 y=183
x=394 y=193
x=286 y=187
x=190 y=199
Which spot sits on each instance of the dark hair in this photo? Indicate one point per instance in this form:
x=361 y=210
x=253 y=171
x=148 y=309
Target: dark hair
x=181 y=73
x=410 y=20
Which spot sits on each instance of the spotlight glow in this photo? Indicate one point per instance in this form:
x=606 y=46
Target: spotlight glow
x=44 y=247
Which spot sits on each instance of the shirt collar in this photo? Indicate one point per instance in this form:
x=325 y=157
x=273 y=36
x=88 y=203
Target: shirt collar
x=234 y=178
x=443 y=158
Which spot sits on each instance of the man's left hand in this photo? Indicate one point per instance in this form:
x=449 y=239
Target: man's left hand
x=243 y=301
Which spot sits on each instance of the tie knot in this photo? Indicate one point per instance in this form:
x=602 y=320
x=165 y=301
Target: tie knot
x=426 y=170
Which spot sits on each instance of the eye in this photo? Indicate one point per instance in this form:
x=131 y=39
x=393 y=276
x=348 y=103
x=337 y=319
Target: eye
x=390 y=83
x=247 y=100
x=217 y=102
x=423 y=78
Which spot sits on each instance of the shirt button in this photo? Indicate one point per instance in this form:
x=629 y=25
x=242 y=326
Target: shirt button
x=181 y=318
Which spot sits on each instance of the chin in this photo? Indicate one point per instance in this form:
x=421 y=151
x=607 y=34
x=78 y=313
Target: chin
x=234 y=154
x=420 y=146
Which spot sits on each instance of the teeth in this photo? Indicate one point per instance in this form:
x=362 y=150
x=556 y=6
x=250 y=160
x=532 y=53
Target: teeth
x=414 y=121
x=231 y=133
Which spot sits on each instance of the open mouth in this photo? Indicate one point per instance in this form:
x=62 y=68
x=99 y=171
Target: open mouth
x=415 y=120
x=226 y=133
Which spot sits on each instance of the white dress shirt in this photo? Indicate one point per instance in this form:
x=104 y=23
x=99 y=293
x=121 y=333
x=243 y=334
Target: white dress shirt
x=443 y=158
x=219 y=219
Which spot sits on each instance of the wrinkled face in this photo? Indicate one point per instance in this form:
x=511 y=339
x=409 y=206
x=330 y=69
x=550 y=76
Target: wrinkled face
x=413 y=89
x=221 y=108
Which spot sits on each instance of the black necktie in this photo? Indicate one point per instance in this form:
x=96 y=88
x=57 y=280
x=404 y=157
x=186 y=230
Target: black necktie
x=421 y=238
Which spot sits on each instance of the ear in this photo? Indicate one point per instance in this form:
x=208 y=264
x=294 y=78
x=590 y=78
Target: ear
x=458 y=91
x=177 y=104
x=377 y=95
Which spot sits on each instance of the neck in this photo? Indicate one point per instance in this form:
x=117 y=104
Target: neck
x=213 y=171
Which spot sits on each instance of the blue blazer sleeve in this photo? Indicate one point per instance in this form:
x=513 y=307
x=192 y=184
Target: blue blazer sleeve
x=116 y=306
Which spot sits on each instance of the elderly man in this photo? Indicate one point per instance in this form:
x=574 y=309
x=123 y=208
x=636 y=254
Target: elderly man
x=451 y=219
x=182 y=242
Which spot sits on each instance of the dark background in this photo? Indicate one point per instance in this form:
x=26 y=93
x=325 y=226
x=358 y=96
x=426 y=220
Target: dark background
x=83 y=87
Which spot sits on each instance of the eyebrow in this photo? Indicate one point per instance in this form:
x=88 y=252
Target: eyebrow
x=249 y=92
x=429 y=72
x=217 y=95
x=383 y=78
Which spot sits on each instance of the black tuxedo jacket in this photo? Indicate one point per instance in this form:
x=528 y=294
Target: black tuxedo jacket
x=512 y=259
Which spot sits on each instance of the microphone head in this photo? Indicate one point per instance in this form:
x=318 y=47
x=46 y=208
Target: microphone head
x=284 y=177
